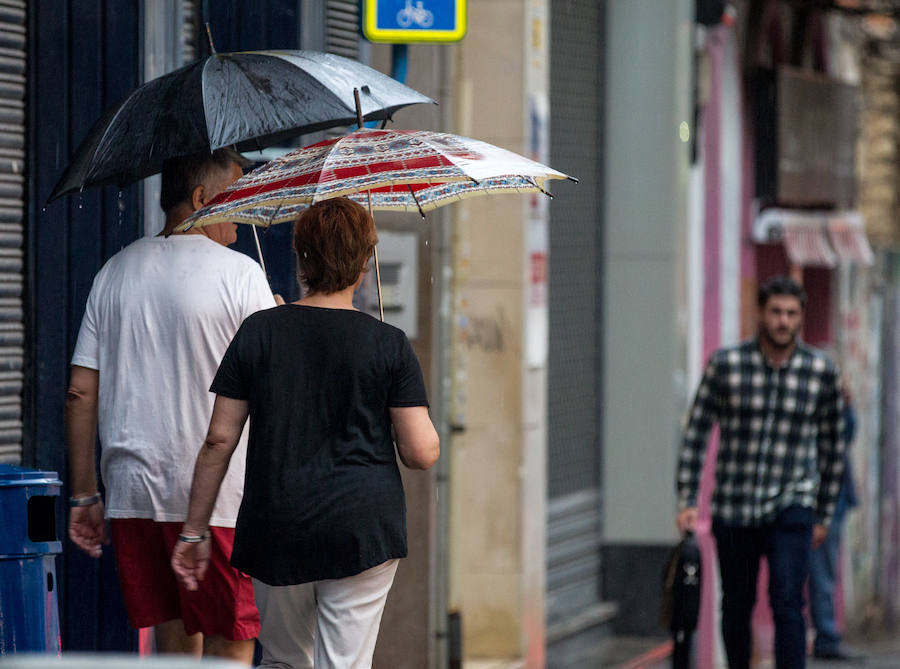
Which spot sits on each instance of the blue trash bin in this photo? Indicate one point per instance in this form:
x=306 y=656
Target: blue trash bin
x=29 y=611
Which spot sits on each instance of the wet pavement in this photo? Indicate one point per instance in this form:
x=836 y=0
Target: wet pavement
x=637 y=653
x=881 y=654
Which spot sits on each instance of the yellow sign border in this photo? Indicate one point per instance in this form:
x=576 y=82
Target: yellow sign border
x=372 y=33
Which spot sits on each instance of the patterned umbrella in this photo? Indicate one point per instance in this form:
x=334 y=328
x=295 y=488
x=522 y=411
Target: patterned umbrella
x=407 y=170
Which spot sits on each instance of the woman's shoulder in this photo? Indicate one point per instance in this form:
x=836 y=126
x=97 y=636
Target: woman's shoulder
x=292 y=315
x=388 y=332
x=262 y=320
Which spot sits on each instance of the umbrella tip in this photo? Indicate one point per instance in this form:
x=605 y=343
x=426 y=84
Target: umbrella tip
x=212 y=47
x=572 y=179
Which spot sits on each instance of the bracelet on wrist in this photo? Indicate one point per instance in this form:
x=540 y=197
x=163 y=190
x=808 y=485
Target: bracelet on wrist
x=193 y=538
x=84 y=501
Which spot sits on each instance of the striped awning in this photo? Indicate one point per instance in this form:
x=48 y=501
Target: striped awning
x=848 y=238
x=815 y=238
x=807 y=245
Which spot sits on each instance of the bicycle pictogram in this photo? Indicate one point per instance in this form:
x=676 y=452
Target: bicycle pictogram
x=418 y=15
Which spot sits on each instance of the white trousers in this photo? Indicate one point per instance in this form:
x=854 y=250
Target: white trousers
x=325 y=624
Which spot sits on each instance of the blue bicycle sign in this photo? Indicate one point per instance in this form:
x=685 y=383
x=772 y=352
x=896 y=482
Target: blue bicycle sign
x=403 y=21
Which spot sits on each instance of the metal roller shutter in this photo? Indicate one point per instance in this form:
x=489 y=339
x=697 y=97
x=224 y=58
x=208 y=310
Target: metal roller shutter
x=574 y=381
x=190 y=30
x=342 y=28
x=12 y=210
x=341 y=38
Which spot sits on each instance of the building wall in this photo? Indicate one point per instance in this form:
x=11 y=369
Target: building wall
x=413 y=630
x=647 y=142
x=576 y=612
x=648 y=87
x=497 y=464
x=858 y=347
x=869 y=350
x=74 y=75
x=879 y=147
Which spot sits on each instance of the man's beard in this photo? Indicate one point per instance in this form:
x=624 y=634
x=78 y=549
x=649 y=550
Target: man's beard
x=775 y=343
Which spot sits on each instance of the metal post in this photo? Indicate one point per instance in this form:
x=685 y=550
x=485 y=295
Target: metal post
x=441 y=414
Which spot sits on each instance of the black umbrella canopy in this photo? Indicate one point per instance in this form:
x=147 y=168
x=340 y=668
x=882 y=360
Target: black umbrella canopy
x=248 y=100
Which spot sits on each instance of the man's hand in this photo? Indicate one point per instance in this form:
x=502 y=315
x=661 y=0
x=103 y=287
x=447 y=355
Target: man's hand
x=189 y=562
x=686 y=520
x=820 y=533
x=87 y=528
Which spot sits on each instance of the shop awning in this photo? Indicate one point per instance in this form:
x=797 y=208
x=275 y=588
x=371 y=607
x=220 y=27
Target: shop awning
x=815 y=238
x=848 y=238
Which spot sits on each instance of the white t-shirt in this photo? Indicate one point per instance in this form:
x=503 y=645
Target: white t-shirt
x=158 y=319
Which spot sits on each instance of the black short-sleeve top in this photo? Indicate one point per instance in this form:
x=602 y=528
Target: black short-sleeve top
x=323 y=497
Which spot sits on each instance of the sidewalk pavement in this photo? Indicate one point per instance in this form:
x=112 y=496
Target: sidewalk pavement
x=649 y=653
x=879 y=654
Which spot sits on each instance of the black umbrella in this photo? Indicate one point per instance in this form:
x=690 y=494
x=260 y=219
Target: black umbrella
x=248 y=100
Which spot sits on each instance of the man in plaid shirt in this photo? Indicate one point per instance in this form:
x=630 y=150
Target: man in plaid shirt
x=778 y=472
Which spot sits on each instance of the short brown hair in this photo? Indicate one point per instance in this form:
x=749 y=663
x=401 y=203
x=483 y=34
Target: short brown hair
x=333 y=240
x=181 y=175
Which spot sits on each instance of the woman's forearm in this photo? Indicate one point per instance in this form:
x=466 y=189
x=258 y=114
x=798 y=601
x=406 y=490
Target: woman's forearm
x=209 y=471
x=225 y=429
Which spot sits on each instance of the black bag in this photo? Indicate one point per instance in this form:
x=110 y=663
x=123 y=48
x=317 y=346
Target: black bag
x=681 y=598
x=681 y=587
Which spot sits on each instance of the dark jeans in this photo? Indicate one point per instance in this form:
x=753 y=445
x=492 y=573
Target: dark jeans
x=822 y=580
x=786 y=544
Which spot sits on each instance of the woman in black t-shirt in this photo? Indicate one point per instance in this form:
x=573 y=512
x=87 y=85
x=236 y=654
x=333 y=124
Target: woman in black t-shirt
x=323 y=521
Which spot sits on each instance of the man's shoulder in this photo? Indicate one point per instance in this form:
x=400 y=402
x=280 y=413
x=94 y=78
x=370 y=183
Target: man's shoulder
x=124 y=255
x=227 y=264
x=817 y=358
x=221 y=256
x=734 y=353
x=136 y=247
x=234 y=258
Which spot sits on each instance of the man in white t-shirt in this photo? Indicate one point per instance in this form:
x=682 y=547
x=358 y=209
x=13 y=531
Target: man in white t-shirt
x=158 y=319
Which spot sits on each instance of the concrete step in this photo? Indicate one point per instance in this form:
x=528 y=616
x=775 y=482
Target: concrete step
x=575 y=639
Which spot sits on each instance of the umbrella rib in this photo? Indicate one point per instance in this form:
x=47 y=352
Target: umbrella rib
x=534 y=183
x=416 y=200
x=274 y=214
x=107 y=130
x=326 y=165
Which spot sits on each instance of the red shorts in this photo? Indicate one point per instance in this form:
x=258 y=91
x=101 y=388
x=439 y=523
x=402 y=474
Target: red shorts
x=223 y=605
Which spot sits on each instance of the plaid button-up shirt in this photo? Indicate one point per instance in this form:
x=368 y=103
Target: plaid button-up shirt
x=780 y=433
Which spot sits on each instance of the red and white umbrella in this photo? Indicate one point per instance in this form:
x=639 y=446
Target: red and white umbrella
x=406 y=170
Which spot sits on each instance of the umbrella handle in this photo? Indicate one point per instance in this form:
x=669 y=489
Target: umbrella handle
x=378 y=283
x=359 y=121
x=377 y=268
